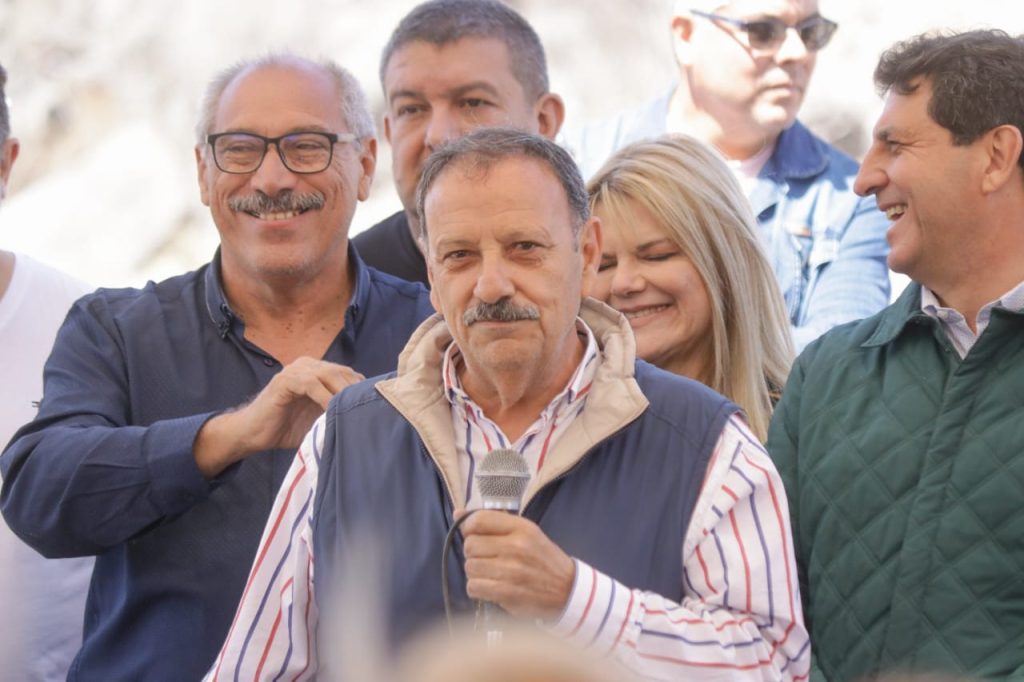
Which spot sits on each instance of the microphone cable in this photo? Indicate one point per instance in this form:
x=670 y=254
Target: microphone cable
x=448 y=539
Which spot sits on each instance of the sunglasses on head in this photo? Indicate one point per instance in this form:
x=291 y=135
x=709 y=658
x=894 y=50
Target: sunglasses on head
x=769 y=34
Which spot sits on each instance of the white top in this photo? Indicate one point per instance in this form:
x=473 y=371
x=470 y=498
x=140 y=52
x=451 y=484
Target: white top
x=746 y=170
x=45 y=598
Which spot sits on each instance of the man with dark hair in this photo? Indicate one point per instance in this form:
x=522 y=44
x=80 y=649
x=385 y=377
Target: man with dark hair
x=653 y=525
x=171 y=413
x=899 y=437
x=744 y=69
x=43 y=599
x=452 y=66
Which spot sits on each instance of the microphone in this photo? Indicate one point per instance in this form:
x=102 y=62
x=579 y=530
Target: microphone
x=502 y=478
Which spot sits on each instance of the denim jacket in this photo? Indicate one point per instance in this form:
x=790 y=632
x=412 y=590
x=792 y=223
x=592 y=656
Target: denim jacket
x=826 y=245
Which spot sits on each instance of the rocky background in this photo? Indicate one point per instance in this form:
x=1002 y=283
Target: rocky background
x=103 y=96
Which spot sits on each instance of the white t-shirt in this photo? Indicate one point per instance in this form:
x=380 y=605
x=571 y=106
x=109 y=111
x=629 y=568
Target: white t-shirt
x=43 y=599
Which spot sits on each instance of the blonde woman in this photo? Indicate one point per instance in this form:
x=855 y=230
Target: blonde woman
x=681 y=259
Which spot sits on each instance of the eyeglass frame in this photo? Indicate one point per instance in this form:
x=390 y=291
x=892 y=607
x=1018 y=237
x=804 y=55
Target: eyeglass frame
x=744 y=25
x=333 y=138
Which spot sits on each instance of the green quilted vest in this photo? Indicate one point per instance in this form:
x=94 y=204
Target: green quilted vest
x=904 y=468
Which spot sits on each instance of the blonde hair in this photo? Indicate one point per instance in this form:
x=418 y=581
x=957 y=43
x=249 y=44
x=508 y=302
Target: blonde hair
x=691 y=192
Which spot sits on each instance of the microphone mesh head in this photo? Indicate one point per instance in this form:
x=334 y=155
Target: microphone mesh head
x=503 y=474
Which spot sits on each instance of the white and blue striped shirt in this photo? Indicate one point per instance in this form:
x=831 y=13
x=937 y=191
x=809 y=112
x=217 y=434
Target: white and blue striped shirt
x=740 y=617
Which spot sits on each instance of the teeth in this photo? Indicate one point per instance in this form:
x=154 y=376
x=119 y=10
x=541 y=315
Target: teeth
x=277 y=216
x=894 y=212
x=633 y=314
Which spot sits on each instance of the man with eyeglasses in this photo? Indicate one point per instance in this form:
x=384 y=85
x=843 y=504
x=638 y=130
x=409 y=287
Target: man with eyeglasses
x=744 y=68
x=171 y=414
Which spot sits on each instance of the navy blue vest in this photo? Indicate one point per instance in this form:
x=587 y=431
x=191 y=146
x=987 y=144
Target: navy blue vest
x=624 y=508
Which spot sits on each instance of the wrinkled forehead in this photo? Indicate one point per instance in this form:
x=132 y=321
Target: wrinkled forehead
x=419 y=65
x=496 y=191
x=279 y=95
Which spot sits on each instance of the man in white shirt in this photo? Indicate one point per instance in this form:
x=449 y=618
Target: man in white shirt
x=653 y=526
x=44 y=598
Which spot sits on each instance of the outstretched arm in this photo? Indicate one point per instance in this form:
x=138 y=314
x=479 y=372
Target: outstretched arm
x=91 y=472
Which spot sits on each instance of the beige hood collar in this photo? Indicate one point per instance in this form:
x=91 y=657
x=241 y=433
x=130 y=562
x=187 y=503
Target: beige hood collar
x=615 y=399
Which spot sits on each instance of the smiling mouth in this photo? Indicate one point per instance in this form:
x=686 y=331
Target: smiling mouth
x=644 y=312
x=278 y=215
x=895 y=212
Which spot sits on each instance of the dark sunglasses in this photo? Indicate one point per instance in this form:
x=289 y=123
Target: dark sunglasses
x=768 y=34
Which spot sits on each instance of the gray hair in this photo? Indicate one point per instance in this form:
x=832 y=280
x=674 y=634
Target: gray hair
x=440 y=22
x=486 y=147
x=354 y=109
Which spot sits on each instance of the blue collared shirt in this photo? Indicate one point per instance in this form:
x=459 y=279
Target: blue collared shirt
x=107 y=466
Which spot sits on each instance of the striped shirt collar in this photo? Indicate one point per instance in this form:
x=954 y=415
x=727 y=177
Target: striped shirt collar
x=476 y=435
x=954 y=324
x=574 y=391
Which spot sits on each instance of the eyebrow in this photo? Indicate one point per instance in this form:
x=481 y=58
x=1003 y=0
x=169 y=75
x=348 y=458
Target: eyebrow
x=450 y=93
x=311 y=128
x=448 y=243
x=647 y=246
x=885 y=135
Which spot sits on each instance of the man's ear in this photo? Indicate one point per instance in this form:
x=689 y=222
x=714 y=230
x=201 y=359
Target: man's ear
x=1002 y=146
x=387 y=127
x=435 y=299
x=682 y=32
x=550 y=112
x=201 y=170
x=368 y=161
x=590 y=252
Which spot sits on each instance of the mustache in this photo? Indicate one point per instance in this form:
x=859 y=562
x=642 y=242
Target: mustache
x=502 y=311
x=283 y=202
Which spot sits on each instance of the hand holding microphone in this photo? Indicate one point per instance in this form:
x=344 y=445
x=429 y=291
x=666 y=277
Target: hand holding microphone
x=509 y=560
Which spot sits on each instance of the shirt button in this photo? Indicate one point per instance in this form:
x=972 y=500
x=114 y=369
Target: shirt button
x=268 y=362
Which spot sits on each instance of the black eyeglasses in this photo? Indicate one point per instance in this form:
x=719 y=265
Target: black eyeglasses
x=301 y=152
x=767 y=35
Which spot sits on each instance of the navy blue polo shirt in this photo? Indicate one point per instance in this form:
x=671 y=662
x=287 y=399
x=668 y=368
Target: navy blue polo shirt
x=107 y=467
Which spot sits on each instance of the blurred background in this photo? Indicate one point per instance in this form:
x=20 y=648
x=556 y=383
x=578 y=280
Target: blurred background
x=103 y=97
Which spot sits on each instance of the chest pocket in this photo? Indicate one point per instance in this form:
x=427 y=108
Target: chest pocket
x=799 y=250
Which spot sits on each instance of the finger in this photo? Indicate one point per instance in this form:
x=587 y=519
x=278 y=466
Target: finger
x=317 y=381
x=492 y=522
x=331 y=373
x=337 y=377
x=483 y=546
x=487 y=589
x=319 y=394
